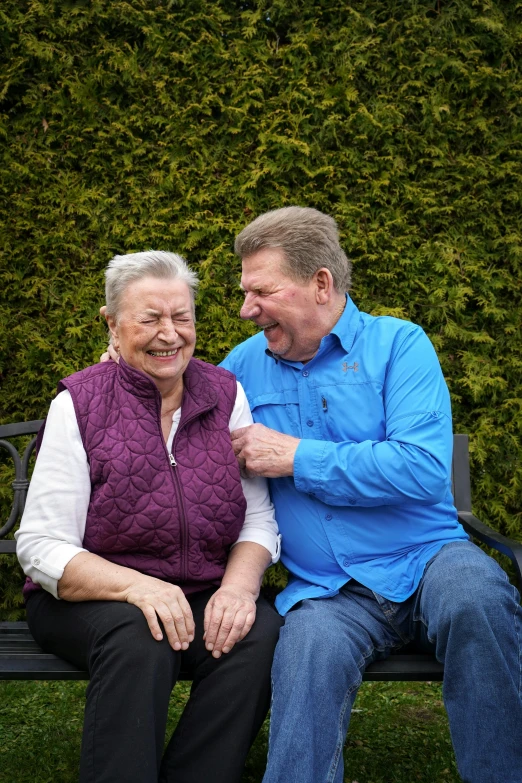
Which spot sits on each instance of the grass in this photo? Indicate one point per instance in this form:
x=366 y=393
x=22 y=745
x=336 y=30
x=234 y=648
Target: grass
x=398 y=734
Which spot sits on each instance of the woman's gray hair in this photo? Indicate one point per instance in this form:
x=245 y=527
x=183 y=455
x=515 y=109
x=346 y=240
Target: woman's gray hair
x=123 y=270
x=308 y=238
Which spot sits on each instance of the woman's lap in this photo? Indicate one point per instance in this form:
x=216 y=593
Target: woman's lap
x=132 y=673
x=72 y=629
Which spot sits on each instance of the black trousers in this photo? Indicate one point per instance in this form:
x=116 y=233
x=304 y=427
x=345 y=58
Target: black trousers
x=131 y=678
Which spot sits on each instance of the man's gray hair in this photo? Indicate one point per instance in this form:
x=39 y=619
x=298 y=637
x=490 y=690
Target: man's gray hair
x=308 y=238
x=123 y=270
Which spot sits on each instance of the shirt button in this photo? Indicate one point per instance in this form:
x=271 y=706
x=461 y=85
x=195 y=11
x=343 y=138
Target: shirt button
x=36 y=561
x=328 y=516
x=346 y=563
x=305 y=373
x=310 y=423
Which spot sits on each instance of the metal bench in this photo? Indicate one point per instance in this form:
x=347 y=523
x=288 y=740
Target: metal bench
x=22 y=659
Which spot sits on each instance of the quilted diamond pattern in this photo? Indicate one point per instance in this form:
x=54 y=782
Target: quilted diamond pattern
x=175 y=523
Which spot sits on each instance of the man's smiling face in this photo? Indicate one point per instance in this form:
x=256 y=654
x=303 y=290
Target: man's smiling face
x=284 y=308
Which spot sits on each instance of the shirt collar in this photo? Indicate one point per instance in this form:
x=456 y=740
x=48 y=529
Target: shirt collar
x=346 y=327
x=344 y=330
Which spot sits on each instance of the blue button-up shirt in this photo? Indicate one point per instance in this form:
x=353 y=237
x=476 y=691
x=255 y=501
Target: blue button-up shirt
x=370 y=498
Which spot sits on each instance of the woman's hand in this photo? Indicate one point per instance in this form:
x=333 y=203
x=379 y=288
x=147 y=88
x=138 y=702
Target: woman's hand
x=89 y=577
x=229 y=616
x=158 y=599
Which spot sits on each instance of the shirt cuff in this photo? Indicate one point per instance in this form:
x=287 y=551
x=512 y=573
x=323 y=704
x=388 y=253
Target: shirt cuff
x=47 y=574
x=263 y=538
x=308 y=465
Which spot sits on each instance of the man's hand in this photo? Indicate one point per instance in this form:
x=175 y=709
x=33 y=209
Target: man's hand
x=229 y=616
x=261 y=451
x=158 y=599
x=111 y=352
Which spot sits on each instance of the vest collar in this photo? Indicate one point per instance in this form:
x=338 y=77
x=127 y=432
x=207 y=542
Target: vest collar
x=198 y=395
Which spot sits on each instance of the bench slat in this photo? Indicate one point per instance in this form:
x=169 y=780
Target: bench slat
x=22 y=659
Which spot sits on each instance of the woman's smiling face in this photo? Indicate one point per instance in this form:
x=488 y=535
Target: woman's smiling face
x=154 y=330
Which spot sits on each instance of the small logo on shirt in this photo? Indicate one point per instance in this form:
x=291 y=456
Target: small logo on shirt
x=354 y=366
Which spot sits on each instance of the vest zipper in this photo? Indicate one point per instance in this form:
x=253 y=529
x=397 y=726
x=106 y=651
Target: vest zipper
x=183 y=532
x=183 y=527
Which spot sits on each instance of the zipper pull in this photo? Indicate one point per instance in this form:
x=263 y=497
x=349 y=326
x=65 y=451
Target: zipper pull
x=325 y=404
x=172 y=461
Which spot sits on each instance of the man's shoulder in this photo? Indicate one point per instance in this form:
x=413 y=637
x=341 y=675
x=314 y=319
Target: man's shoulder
x=388 y=323
x=250 y=350
x=252 y=367
x=387 y=330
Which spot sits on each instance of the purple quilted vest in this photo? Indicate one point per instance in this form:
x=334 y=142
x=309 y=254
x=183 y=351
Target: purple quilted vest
x=175 y=522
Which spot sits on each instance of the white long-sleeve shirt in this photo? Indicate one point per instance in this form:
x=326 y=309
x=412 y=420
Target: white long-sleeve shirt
x=53 y=524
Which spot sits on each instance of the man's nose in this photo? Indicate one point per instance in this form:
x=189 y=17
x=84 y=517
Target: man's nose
x=250 y=308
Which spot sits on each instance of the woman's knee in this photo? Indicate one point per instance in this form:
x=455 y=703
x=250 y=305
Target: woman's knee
x=126 y=638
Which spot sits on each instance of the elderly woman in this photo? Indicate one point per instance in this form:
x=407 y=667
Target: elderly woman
x=149 y=546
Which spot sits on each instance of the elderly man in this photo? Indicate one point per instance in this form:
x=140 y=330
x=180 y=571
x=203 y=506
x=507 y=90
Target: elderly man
x=353 y=428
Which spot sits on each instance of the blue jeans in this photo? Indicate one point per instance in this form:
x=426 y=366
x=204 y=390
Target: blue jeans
x=464 y=610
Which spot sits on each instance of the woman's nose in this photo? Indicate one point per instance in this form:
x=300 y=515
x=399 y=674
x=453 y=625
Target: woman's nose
x=168 y=332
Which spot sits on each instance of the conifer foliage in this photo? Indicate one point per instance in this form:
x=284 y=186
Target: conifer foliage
x=171 y=124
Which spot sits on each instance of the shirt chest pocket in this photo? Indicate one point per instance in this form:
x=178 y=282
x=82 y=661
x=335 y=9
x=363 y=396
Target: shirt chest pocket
x=278 y=410
x=352 y=411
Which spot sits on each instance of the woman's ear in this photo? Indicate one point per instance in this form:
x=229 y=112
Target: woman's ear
x=113 y=329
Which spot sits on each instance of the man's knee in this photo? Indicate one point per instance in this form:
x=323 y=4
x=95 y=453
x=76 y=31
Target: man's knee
x=313 y=634
x=466 y=588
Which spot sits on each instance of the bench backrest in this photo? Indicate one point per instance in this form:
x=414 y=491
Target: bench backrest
x=21 y=481
x=460 y=476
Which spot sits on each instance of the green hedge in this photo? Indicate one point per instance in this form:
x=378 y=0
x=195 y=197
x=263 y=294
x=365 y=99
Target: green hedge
x=148 y=123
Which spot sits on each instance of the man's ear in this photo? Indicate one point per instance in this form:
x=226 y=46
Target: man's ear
x=324 y=286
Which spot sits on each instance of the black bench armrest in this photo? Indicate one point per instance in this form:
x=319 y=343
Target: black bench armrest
x=512 y=549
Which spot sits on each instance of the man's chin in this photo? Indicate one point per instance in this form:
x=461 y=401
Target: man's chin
x=278 y=350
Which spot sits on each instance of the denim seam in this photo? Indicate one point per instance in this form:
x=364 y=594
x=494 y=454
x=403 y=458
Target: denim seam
x=341 y=738
x=519 y=642
x=270 y=722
